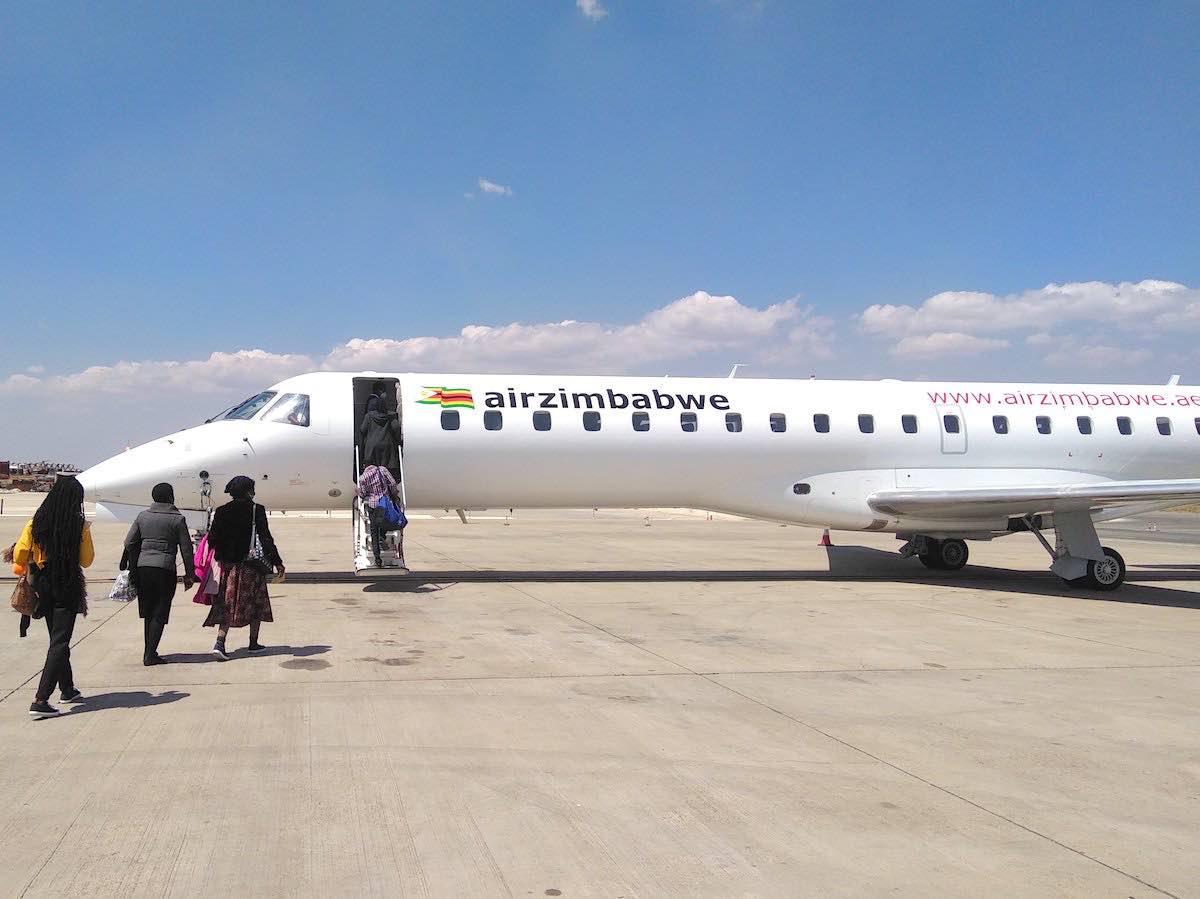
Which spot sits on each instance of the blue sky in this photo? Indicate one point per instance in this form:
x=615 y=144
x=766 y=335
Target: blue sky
x=289 y=177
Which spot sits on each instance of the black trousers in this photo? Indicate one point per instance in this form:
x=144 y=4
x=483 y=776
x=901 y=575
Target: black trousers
x=378 y=529
x=156 y=590
x=60 y=624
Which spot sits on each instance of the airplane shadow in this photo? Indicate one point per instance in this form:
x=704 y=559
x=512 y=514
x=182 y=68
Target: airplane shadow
x=846 y=563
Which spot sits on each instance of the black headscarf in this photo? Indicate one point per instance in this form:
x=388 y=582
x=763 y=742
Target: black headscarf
x=163 y=493
x=240 y=487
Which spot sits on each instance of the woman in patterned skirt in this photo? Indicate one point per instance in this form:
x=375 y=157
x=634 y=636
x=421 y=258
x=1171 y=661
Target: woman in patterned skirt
x=238 y=527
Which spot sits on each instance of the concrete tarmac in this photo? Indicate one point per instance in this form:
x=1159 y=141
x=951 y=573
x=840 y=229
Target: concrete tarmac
x=624 y=704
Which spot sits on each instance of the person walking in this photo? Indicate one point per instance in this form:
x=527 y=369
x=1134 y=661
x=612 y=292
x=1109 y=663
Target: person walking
x=380 y=435
x=375 y=485
x=54 y=548
x=158 y=535
x=241 y=539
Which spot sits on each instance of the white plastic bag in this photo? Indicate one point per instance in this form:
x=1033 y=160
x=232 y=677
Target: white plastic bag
x=123 y=590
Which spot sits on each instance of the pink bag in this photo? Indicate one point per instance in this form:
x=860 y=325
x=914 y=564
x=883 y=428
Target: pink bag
x=205 y=567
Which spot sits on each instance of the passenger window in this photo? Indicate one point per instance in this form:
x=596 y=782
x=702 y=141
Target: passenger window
x=641 y=421
x=1043 y=424
x=290 y=409
x=1164 y=426
x=733 y=423
x=591 y=421
x=1124 y=425
x=866 y=424
x=1085 y=424
x=687 y=421
x=909 y=423
x=541 y=421
x=778 y=422
x=951 y=424
x=1000 y=424
x=450 y=420
x=821 y=423
x=493 y=420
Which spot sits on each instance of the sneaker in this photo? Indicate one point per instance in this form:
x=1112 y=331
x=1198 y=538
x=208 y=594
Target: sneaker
x=219 y=651
x=39 y=710
x=71 y=698
x=255 y=647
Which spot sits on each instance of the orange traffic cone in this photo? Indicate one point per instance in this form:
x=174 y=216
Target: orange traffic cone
x=825 y=541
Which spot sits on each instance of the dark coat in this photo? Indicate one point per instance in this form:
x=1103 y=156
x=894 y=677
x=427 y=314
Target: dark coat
x=229 y=533
x=156 y=537
x=381 y=440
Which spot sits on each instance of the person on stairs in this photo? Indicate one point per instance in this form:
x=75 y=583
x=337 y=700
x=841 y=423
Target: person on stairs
x=379 y=434
x=375 y=485
x=157 y=537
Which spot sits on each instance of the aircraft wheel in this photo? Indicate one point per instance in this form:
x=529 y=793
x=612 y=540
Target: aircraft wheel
x=953 y=554
x=932 y=557
x=1107 y=573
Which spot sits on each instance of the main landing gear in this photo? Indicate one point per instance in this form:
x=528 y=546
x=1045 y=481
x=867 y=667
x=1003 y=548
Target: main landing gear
x=944 y=555
x=947 y=555
x=1078 y=556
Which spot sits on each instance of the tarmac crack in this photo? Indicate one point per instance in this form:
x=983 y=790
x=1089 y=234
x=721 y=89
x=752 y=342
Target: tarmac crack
x=942 y=789
x=27 y=680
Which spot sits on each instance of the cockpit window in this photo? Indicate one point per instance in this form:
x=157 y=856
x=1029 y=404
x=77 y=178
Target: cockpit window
x=290 y=409
x=249 y=408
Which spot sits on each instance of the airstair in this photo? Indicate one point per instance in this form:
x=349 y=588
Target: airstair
x=364 y=552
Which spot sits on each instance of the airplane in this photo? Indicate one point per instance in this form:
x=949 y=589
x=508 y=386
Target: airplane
x=937 y=464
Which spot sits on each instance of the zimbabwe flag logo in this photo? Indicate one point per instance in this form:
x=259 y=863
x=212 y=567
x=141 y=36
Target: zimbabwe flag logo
x=447 y=397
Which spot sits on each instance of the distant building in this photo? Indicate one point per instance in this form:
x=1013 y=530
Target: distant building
x=33 y=475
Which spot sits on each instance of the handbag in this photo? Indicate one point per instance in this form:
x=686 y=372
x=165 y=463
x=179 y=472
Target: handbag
x=257 y=557
x=24 y=599
x=391 y=512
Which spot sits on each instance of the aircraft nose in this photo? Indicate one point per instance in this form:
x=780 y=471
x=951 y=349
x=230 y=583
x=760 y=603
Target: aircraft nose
x=123 y=478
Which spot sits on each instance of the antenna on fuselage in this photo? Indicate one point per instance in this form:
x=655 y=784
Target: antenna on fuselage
x=736 y=366
x=1173 y=381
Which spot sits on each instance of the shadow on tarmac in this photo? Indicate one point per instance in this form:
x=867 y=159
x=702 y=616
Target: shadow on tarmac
x=237 y=652
x=846 y=563
x=132 y=699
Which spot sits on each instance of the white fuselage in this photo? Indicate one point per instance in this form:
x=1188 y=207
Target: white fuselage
x=772 y=463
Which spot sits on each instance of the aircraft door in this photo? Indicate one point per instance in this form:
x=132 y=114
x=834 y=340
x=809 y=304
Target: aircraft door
x=953 y=427
x=363 y=389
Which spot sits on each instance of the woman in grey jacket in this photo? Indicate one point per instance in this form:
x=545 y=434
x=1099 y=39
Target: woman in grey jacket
x=158 y=534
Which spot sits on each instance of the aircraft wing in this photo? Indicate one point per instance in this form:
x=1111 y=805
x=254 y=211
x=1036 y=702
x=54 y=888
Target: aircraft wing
x=970 y=502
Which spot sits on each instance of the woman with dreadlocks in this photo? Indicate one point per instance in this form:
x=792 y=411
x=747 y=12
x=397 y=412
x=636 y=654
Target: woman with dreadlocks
x=54 y=549
x=241 y=538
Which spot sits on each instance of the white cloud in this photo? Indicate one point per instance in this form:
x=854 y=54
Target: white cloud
x=36 y=369
x=690 y=327
x=591 y=9
x=1146 y=304
x=491 y=187
x=221 y=374
x=1067 y=353
x=945 y=343
x=1102 y=330
x=91 y=413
